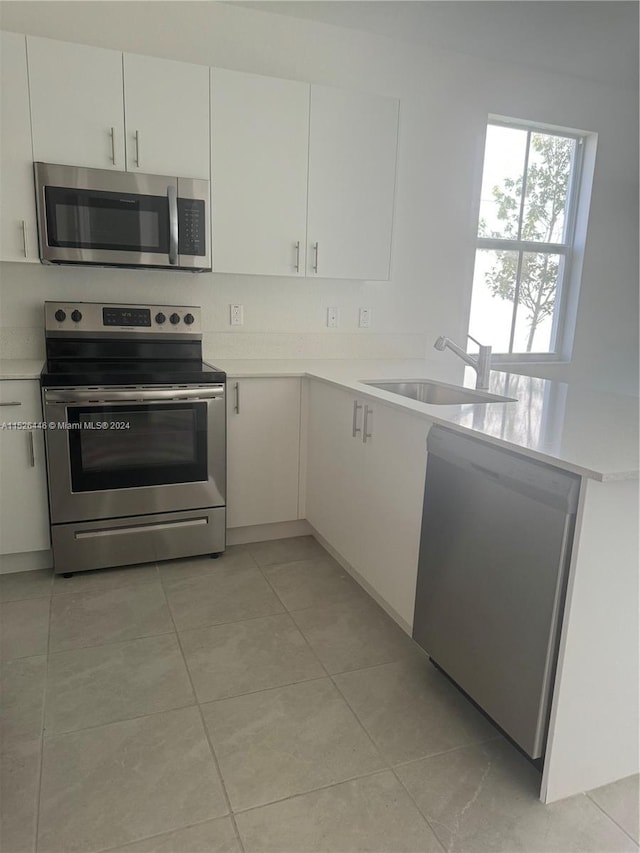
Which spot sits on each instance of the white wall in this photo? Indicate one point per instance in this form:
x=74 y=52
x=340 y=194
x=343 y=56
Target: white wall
x=445 y=100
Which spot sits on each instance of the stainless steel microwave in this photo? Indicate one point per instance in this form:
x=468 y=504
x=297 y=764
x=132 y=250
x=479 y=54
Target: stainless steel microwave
x=123 y=219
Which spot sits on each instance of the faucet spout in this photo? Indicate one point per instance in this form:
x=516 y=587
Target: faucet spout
x=481 y=364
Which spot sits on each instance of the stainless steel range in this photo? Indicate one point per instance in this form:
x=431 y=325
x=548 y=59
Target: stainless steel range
x=135 y=438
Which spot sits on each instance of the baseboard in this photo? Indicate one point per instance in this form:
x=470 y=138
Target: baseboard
x=355 y=574
x=27 y=562
x=261 y=532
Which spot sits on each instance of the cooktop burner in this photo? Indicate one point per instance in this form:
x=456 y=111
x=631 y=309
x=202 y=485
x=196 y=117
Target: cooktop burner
x=96 y=344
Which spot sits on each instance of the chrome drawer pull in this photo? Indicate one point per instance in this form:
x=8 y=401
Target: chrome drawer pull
x=365 y=427
x=355 y=428
x=141 y=528
x=32 y=452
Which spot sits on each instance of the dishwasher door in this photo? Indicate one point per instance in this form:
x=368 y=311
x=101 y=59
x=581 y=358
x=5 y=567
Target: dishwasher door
x=495 y=546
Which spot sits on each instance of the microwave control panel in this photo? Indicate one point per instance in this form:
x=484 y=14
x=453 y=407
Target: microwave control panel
x=191 y=226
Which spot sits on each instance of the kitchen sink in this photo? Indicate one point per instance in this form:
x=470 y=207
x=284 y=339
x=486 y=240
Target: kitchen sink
x=438 y=393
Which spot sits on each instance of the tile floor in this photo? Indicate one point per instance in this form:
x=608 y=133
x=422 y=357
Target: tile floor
x=261 y=702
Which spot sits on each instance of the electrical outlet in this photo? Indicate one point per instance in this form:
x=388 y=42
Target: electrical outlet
x=237 y=314
x=364 y=320
x=332 y=317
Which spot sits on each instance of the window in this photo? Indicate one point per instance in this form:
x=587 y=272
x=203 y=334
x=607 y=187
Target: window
x=526 y=225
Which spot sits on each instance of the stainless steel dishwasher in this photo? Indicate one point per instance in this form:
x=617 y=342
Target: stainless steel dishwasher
x=496 y=540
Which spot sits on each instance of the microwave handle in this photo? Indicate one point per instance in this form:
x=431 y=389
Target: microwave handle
x=172 y=194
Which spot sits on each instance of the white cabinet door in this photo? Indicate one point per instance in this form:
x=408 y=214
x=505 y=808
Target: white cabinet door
x=335 y=456
x=18 y=235
x=392 y=496
x=259 y=161
x=263 y=450
x=77 y=110
x=167 y=116
x=352 y=167
x=365 y=498
x=24 y=513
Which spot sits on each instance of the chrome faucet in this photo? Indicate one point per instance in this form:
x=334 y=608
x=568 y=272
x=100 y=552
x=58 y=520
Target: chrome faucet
x=481 y=364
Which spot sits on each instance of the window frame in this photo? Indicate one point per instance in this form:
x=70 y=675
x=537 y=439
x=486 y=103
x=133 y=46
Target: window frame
x=561 y=334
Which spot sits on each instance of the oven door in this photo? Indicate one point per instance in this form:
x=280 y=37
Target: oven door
x=113 y=452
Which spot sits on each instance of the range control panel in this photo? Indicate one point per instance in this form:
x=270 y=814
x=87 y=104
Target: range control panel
x=78 y=318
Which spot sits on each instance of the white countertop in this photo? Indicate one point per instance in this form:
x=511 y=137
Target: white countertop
x=20 y=368
x=591 y=433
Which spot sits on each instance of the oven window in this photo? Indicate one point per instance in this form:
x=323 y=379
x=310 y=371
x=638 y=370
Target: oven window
x=118 y=447
x=92 y=219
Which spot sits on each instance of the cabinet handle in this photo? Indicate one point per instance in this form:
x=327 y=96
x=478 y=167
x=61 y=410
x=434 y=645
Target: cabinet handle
x=138 y=148
x=355 y=429
x=25 y=247
x=315 y=249
x=296 y=266
x=236 y=408
x=112 y=134
x=365 y=426
x=32 y=452
x=12 y=403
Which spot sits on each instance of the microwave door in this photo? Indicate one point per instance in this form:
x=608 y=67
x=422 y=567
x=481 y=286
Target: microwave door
x=107 y=218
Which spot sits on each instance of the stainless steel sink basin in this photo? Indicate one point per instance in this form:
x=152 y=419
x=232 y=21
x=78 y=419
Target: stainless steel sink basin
x=438 y=393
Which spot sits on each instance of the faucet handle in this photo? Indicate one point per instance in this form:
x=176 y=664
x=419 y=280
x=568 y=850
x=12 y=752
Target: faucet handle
x=471 y=338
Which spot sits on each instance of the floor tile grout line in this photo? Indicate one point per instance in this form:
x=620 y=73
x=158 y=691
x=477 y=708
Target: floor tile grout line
x=362 y=725
x=420 y=812
x=91 y=728
x=28 y=598
x=263 y=690
x=447 y=751
x=42 y=727
x=293 y=622
x=112 y=642
x=160 y=834
x=357 y=719
x=327 y=787
x=612 y=819
x=205 y=728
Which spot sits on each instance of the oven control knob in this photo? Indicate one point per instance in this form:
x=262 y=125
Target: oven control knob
x=60 y=315
x=160 y=318
x=76 y=316
x=174 y=318
x=188 y=318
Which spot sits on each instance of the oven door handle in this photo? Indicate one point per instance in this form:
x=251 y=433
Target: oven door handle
x=147 y=395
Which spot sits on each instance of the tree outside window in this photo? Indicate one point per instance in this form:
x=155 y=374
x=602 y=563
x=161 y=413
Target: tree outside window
x=524 y=238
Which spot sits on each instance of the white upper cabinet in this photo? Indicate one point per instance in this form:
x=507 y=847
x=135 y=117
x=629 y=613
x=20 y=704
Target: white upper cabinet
x=18 y=235
x=166 y=116
x=352 y=168
x=77 y=108
x=259 y=160
x=89 y=105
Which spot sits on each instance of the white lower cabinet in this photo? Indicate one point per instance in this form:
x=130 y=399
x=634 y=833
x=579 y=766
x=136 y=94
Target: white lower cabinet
x=365 y=497
x=335 y=458
x=263 y=450
x=24 y=513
